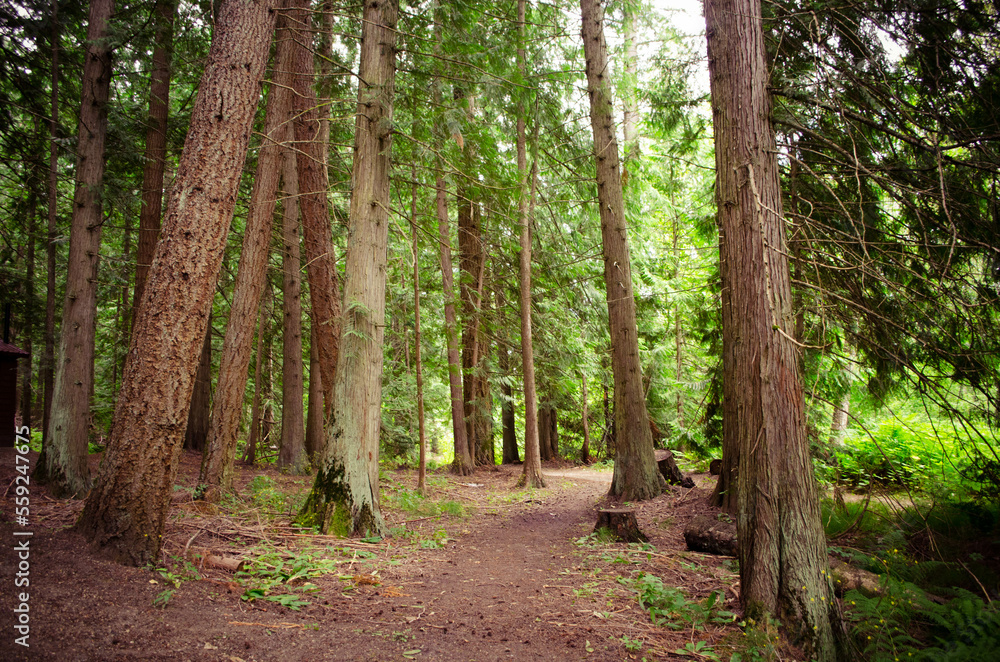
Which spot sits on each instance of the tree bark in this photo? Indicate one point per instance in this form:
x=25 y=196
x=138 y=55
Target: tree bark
x=507 y=422
x=314 y=416
x=199 y=417
x=253 y=436
x=69 y=424
x=292 y=457
x=251 y=274
x=125 y=513
x=635 y=476
x=344 y=498
x=585 y=450
x=544 y=430
x=418 y=364
x=49 y=352
x=156 y=147
x=531 y=475
x=324 y=286
x=784 y=569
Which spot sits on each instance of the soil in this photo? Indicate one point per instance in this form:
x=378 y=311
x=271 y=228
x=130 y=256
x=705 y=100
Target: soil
x=491 y=573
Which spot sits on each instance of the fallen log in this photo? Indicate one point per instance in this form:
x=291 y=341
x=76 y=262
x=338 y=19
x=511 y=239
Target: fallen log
x=621 y=523
x=711 y=535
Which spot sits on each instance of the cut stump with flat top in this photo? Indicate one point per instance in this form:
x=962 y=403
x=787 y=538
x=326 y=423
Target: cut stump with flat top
x=621 y=523
x=669 y=470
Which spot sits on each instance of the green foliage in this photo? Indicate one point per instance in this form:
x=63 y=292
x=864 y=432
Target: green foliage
x=266 y=495
x=905 y=623
x=906 y=451
x=283 y=571
x=416 y=504
x=669 y=606
x=175 y=579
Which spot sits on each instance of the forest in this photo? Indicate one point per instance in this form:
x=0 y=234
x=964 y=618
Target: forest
x=340 y=294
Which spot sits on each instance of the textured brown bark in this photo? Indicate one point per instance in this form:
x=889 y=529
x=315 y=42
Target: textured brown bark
x=324 y=286
x=507 y=423
x=784 y=569
x=253 y=436
x=418 y=363
x=125 y=512
x=544 y=430
x=292 y=457
x=711 y=535
x=218 y=467
x=199 y=416
x=531 y=475
x=156 y=146
x=69 y=420
x=621 y=523
x=314 y=408
x=472 y=267
x=24 y=391
x=49 y=351
x=585 y=416
x=636 y=476
x=344 y=498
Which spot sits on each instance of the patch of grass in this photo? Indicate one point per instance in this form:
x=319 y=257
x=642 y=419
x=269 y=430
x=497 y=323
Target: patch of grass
x=267 y=495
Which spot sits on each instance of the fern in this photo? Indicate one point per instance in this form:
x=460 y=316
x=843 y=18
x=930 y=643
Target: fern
x=904 y=623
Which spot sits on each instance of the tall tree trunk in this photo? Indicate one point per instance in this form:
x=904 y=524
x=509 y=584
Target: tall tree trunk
x=678 y=336
x=630 y=97
x=418 y=364
x=292 y=456
x=48 y=355
x=24 y=396
x=585 y=451
x=507 y=423
x=253 y=436
x=724 y=495
x=199 y=416
x=69 y=423
x=344 y=498
x=324 y=287
x=636 y=476
x=314 y=416
x=126 y=510
x=554 y=433
x=784 y=570
x=531 y=474
x=156 y=146
x=251 y=274
x=544 y=430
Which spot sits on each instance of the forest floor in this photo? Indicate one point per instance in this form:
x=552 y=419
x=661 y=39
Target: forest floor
x=477 y=570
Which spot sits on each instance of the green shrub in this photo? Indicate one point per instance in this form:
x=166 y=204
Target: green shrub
x=904 y=451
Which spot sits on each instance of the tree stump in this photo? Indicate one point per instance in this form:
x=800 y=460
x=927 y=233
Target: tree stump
x=669 y=470
x=710 y=535
x=621 y=523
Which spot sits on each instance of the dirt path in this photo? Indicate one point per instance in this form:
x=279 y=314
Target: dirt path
x=508 y=580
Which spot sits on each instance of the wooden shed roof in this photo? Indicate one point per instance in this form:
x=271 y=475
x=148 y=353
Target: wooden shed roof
x=6 y=349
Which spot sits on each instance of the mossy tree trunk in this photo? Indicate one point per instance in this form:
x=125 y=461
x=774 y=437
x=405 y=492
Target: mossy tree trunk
x=126 y=511
x=344 y=498
x=784 y=570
